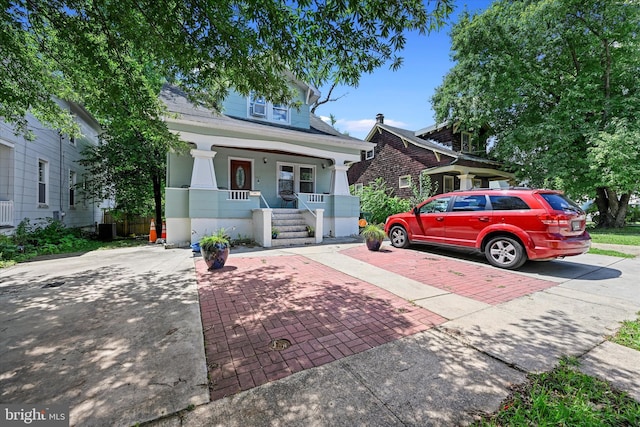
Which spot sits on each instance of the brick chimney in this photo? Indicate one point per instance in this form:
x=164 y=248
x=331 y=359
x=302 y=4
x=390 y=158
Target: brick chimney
x=380 y=118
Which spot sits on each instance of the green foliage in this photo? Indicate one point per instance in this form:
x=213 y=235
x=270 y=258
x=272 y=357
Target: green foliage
x=629 y=334
x=565 y=396
x=219 y=238
x=373 y=232
x=377 y=200
x=114 y=54
x=424 y=190
x=554 y=80
x=633 y=214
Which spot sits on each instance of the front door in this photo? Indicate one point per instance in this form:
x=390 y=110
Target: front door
x=240 y=175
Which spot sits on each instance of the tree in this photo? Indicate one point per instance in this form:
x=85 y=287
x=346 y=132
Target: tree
x=555 y=80
x=112 y=56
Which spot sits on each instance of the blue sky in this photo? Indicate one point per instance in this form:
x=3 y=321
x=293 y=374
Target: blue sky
x=402 y=96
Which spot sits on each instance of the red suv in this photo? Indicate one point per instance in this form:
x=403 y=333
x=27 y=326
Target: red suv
x=509 y=226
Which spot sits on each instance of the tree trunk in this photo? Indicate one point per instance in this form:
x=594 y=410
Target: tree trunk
x=611 y=210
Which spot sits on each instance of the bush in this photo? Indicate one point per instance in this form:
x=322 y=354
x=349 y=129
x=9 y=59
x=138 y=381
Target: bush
x=633 y=214
x=378 y=200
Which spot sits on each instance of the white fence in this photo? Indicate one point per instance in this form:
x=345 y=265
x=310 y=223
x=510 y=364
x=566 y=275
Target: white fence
x=312 y=197
x=6 y=213
x=237 y=195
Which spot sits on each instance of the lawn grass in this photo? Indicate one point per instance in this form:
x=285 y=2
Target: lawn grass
x=629 y=334
x=629 y=235
x=565 y=397
x=609 y=252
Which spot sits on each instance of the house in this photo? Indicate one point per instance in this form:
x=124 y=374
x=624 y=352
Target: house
x=452 y=158
x=258 y=166
x=41 y=178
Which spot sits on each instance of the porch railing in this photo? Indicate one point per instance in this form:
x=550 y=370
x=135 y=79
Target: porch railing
x=237 y=195
x=311 y=197
x=6 y=213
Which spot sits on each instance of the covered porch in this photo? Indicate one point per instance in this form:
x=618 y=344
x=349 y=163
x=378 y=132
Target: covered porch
x=240 y=185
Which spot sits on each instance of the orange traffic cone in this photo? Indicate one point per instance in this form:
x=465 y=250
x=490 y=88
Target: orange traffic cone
x=152 y=232
x=164 y=230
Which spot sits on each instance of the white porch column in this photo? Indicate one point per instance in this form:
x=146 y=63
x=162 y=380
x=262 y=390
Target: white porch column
x=466 y=181
x=339 y=181
x=203 y=174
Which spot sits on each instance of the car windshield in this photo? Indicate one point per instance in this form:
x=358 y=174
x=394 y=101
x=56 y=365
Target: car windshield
x=560 y=202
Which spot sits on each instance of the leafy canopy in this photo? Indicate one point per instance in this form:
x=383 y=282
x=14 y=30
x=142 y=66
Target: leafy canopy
x=557 y=83
x=103 y=53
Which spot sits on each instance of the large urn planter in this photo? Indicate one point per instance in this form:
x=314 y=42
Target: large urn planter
x=373 y=236
x=215 y=249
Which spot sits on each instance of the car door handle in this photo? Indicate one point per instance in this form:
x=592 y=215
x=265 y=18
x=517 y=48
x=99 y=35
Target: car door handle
x=483 y=218
x=439 y=218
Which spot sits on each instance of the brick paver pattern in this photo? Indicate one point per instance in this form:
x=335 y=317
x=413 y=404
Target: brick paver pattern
x=476 y=281
x=325 y=314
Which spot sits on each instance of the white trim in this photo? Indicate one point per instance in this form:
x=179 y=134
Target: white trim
x=407 y=183
x=237 y=126
x=242 y=159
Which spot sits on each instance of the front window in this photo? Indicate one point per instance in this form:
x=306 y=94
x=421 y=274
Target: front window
x=72 y=188
x=43 y=182
x=369 y=154
x=404 y=181
x=296 y=178
x=260 y=108
x=448 y=183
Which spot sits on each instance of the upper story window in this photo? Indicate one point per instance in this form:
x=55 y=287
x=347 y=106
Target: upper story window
x=259 y=108
x=466 y=143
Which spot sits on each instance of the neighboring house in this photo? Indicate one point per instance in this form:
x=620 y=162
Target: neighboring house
x=454 y=160
x=41 y=178
x=249 y=163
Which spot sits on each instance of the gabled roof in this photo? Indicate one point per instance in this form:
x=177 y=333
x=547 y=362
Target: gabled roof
x=409 y=137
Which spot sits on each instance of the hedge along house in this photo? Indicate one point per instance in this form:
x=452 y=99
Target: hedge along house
x=453 y=159
x=258 y=166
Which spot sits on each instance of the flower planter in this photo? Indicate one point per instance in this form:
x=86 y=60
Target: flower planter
x=374 y=245
x=217 y=257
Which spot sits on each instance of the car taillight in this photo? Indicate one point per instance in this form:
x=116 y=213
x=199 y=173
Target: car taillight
x=560 y=220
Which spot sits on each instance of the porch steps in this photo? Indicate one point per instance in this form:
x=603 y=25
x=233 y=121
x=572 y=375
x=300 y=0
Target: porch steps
x=292 y=227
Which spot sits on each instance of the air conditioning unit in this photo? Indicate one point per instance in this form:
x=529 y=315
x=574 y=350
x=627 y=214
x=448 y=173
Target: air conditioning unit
x=259 y=110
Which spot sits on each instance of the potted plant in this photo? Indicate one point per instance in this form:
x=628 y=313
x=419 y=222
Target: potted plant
x=274 y=233
x=373 y=235
x=215 y=249
x=311 y=232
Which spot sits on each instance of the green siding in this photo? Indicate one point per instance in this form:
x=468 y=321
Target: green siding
x=176 y=203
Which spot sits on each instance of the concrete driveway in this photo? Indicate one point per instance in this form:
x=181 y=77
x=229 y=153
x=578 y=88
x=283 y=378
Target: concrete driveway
x=115 y=334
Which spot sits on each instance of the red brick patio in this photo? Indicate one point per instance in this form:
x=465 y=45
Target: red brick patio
x=476 y=281
x=325 y=314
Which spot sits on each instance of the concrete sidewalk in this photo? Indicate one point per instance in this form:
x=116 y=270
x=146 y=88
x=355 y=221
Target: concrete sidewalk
x=449 y=374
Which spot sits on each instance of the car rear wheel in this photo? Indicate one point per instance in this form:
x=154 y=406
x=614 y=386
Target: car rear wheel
x=505 y=252
x=398 y=237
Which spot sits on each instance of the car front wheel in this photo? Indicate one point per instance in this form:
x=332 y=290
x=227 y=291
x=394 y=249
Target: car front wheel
x=505 y=252
x=398 y=237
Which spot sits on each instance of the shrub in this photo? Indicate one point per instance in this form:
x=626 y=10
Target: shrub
x=378 y=200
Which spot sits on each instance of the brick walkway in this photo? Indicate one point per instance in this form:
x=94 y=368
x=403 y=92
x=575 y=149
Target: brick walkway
x=479 y=282
x=325 y=315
